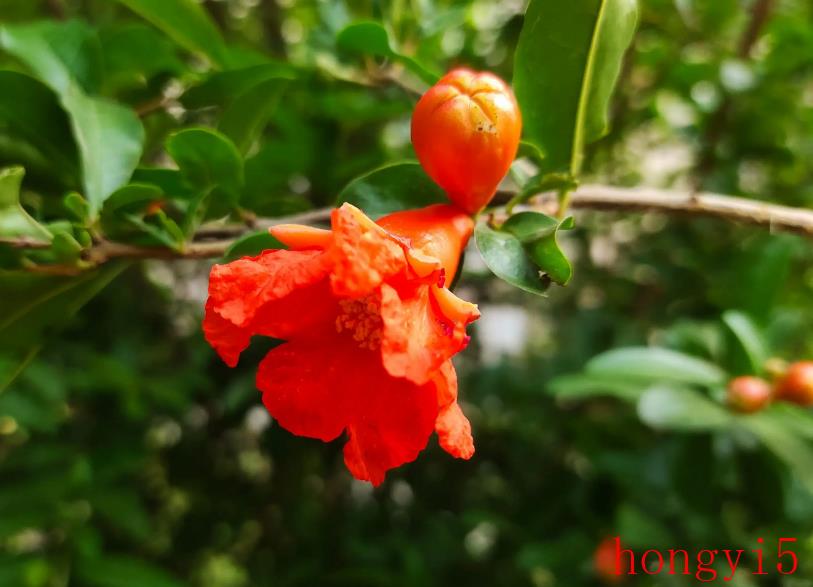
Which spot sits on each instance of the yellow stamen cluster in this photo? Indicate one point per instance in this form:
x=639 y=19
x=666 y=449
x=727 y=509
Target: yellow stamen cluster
x=362 y=320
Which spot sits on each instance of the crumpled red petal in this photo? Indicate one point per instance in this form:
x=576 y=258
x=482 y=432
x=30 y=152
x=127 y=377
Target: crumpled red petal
x=363 y=254
x=452 y=426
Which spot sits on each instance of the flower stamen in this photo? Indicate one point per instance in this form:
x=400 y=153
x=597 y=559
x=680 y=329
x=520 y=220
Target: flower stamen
x=361 y=318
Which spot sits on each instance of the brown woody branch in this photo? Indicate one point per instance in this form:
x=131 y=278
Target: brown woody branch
x=214 y=242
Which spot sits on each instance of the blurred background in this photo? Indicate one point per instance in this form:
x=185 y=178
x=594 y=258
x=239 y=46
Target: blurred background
x=131 y=456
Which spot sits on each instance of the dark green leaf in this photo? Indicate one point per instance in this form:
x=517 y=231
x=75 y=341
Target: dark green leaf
x=251 y=245
x=120 y=571
x=134 y=53
x=371 y=38
x=676 y=408
x=565 y=67
x=186 y=22
x=656 y=364
x=221 y=87
x=505 y=255
x=34 y=306
x=245 y=118
x=14 y=220
x=31 y=112
x=392 y=188
x=207 y=158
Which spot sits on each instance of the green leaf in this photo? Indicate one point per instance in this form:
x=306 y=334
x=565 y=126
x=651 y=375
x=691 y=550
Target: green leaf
x=110 y=137
x=371 y=38
x=251 y=245
x=677 y=408
x=749 y=338
x=537 y=232
x=187 y=23
x=134 y=53
x=222 y=87
x=586 y=385
x=391 y=188
x=795 y=450
x=33 y=306
x=121 y=571
x=31 y=112
x=60 y=53
x=245 y=118
x=207 y=158
x=656 y=364
x=566 y=64
x=505 y=255
x=14 y=220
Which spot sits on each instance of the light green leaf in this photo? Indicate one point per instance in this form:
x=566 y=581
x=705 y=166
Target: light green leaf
x=187 y=23
x=371 y=38
x=656 y=364
x=14 y=220
x=749 y=337
x=677 y=408
x=391 y=188
x=567 y=62
x=586 y=386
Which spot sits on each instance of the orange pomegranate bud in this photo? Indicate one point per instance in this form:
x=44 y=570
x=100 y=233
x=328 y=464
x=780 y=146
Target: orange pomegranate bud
x=466 y=131
x=797 y=384
x=748 y=394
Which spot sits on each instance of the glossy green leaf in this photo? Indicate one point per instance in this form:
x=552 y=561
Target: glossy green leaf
x=110 y=137
x=677 y=408
x=537 y=232
x=30 y=112
x=251 y=245
x=566 y=64
x=507 y=258
x=656 y=364
x=32 y=306
x=392 y=188
x=186 y=22
x=14 y=220
x=246 y=116
x=748 y=337
x=60 y=53
x=134 y=53
x=371 y=38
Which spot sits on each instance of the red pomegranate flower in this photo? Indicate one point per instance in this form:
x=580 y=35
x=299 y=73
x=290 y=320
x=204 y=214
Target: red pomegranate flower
x=370 y=330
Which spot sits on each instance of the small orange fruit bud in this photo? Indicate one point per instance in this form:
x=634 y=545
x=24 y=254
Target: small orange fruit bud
x=797 y=384
x=748 y=394
x=466 y=130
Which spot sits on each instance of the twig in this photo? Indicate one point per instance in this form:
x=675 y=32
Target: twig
x=587 y=197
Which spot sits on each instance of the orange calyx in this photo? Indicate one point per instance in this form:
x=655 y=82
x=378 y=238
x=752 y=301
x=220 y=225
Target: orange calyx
x=298 y=237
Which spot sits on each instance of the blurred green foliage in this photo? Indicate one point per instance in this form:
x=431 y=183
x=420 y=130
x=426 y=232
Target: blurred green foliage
x=130 y=456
